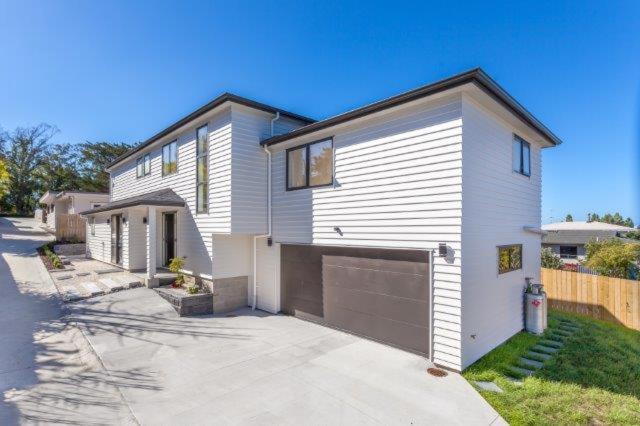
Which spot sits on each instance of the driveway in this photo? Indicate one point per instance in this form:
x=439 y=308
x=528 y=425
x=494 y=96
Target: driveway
x=256 y=368
x=48 y=373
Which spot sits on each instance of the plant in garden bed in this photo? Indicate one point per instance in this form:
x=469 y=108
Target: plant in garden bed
x=49 y=257
x=175 y=266
x=192 y=289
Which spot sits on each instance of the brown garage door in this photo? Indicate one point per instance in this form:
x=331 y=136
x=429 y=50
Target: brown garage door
x=378 y=293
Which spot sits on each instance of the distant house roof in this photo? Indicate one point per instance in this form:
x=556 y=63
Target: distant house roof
x=575 y=233
x=225 y=97
x=69 y=193
x=161 y=198
x=476 y=76
x=48 y=196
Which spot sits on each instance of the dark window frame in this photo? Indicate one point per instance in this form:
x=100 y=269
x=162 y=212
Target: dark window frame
x=522 y=144
x=141 y=160
x=175 y=141
x=205 y=155
x=568 y=255
x=510 y=269
x=307 y=148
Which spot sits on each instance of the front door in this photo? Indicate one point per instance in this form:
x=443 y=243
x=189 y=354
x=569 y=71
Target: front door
x=116 y=239
x=168 y=237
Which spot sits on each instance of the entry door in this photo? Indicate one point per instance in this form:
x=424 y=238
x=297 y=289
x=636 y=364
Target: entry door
x=116 y=239
x=168 y=237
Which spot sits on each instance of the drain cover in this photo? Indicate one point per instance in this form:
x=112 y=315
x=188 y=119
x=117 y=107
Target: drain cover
x=437 y=372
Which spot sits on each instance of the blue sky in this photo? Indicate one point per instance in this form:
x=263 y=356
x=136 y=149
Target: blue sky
x=121 y=71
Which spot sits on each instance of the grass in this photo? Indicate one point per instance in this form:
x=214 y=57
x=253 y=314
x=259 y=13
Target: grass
x=593 y=379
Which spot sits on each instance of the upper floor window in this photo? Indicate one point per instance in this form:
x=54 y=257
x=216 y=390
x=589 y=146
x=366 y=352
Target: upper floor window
x=509 y=258
x=170 y=158
x=310 y=165
x=521 y=156
x=202 y=169
x=143 y=165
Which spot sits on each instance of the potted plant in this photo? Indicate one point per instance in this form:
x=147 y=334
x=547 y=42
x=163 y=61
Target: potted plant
x=175 y=266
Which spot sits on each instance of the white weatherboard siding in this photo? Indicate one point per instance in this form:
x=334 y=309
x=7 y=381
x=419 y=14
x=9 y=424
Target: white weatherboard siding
x=496 y=204
x=398 y=184
x=83 y=202
x=99 y=245
x=192 y=227
x=137 y=257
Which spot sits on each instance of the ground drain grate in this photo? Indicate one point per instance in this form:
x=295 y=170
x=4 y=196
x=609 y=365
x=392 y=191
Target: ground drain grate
x=437 y=372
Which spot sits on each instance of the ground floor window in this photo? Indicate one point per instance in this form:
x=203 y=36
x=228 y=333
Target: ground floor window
x=568 y=252
x=509 y=258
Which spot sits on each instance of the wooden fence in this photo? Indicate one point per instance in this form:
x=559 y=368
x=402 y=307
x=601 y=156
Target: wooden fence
x=70 y=227
x=610 y=299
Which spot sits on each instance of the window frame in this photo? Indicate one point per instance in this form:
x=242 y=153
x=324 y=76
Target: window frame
x=510 y=269
x=92 y=225
x=175 y=141
x=307 y=149
x=522 y=143
x=141 y=161
x=205 y=155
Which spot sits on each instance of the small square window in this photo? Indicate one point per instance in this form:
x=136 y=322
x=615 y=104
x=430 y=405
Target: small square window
x=310 y=165
x=509 y=258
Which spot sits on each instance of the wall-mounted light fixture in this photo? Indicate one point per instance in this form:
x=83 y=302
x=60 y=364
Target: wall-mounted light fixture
x=338 y=230
x=124 y=220
x=269 y=241
x=108 y=221
x=144 y=220
x=442 y=250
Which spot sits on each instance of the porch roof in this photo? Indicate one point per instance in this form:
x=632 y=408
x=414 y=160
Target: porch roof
x=163 y=197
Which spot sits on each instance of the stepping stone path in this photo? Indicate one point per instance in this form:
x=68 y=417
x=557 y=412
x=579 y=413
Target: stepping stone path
x=535 y=358
x=91 y=288
x=74 y=290
x=489 y=386
x=111 y=284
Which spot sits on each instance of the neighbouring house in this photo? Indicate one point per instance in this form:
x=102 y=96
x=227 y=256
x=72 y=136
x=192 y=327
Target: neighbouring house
x=567 y=239
x=413 y=220
x=62 y=204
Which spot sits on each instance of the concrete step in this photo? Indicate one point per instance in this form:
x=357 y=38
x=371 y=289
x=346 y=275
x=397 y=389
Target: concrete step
x=107 y=271
x=63 y=277
x=111 y=284
x=128 y=282
x=529 y=363
x=551 y=343
x=70 y=294
x=91 y=288
x=521 y=372
x=538 y=355
x=82 y=274
x=544 y=349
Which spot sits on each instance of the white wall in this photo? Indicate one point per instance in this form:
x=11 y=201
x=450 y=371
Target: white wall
x=496 y=204
x=232 y=256
x=398 y=183
x=99 y=245
x=268 y=276
x=83 y=202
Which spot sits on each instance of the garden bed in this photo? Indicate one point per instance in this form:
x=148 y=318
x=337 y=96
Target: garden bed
x=50 y=259
x=186 y=304
x=593 y=379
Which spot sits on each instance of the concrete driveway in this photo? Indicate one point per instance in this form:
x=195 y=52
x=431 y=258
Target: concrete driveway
x=256 y=368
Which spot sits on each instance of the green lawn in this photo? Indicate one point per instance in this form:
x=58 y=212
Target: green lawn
x=593 y=379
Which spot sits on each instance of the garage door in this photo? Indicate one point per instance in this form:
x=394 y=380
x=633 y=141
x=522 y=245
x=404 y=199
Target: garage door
x=378 y=293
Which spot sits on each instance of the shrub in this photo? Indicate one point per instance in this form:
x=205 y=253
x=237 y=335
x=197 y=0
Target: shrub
x=550 y=260
x=175 y=266
x=192 y=289
x=613 y=258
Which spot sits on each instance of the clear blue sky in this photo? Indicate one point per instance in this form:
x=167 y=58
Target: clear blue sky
x=121 y=71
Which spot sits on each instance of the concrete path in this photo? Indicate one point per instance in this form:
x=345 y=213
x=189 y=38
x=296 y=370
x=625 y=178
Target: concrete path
x=48 y=372
x=256 y=368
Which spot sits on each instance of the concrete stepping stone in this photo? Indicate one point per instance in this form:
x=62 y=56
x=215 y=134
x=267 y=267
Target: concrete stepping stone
x=111 y=284
x=562 y=332
x=524 y=372
x=530 y=363
x=91 y=288
x=106 y=271
x=128 y=282
x=569 y=329
x=535 y=355
x=545 y=349
x=515 y=381
x=82 y=274
x=70 y=294
x=552 y=343
x=557 y=337
x=63 y=277
x=489 y=386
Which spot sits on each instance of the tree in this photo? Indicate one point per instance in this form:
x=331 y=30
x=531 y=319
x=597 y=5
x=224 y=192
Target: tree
x=26 y=150
x=614 y=219
x=550 y=260
x=568 y=218
x=59 y=169
x=93 y=159
x=613 y=258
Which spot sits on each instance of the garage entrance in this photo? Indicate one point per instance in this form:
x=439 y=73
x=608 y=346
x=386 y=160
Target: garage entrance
x=378 y=293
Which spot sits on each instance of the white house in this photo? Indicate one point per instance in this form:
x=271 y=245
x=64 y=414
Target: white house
x=413 y=221
x=68 y=202
x=568 y=239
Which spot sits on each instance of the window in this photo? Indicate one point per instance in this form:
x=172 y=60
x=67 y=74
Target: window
x=95 y=205
x=568 y=252
x=310 y=165
x=509 y=258
x=202 y=170
x=143 y=165
x=170 y=158
x=92 y=222
x=521 y=156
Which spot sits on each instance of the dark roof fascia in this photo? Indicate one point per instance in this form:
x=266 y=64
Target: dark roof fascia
x=135 y=203
x=477 y=75
x=226 y=97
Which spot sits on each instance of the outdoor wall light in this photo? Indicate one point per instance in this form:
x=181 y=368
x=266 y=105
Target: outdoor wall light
x=144 y=220
x=124 y=220
x=442 y=250
x=108 y=221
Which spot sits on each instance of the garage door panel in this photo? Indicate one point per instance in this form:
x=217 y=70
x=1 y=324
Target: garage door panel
x=401 y=309
x=385 y=330
x=389 y=265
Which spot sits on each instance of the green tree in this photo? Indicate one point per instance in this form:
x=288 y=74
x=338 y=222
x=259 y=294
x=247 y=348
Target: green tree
x=568 y=218
x=615 y=219
x=25 y=150
x=550 y=260
x=94 y=157
x=59 y=170
x=613 y=258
